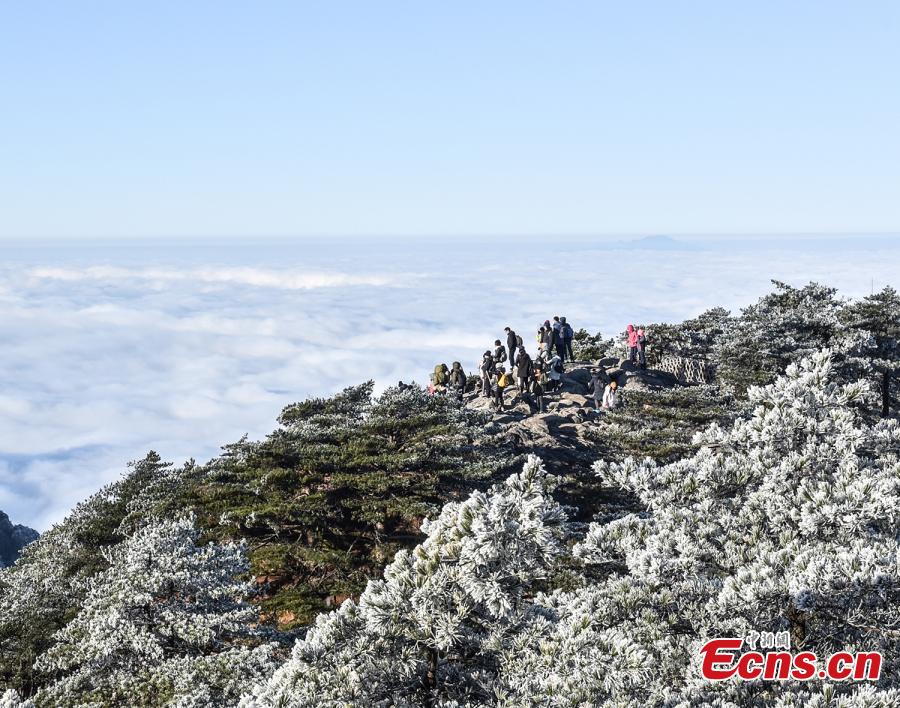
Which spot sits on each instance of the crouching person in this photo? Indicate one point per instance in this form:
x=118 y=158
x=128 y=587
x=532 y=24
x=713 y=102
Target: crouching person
x=610 y=396
x=458 y=380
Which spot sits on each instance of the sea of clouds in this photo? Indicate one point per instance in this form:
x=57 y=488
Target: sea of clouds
x=109 y=351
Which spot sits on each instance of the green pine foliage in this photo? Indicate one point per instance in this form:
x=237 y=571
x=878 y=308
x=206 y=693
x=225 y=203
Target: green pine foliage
x=330 y=496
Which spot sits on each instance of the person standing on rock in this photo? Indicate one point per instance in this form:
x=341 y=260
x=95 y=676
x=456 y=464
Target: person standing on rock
x=536 y=389
x=558 y=341
x=499 y=352
x=632 y=337
x=458 y=380
x=555 y=372
x=524 y=370
x=512 y=344
x=556 y=338
x=568 y=334
x=610 y=396
x=547 y=338
x=642 y=348
x=486 y=369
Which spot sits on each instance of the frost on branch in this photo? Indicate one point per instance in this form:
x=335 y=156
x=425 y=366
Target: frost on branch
x=165 y=622
x=786 y=521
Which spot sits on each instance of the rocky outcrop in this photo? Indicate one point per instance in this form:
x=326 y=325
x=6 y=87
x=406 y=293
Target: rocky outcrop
x=561 y=434
x=13 y=538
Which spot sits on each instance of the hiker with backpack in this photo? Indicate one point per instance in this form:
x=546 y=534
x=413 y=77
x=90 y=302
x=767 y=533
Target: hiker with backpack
x=632 y=340
x=458 y=380
x=499 y=381
x=555 y=372
x=486 y=369
x=558 y=342
x=499 y=352
x=642 y=348
x=567 y=334
x=440 y=377
x=512 y=344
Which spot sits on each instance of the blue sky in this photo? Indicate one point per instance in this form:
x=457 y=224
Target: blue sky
x=216 y=119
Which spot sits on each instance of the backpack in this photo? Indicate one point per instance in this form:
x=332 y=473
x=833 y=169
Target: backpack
x=440 y=376
x=519 y=341
x=567 y=332
x=457 y=377
x=500 y=354
x=503 y=381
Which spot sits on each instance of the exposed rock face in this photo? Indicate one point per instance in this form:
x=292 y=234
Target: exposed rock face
x=13 y=538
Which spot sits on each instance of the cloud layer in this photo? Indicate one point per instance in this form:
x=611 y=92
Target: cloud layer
x=109 y=354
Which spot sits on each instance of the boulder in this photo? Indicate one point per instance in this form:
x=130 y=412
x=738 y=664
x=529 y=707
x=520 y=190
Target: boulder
x=581 y=375
x=648 y=380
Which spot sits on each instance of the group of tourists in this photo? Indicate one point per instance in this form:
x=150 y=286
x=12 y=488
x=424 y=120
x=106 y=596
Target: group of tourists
x=508 y=365
x=532 y=378
x=556 y=336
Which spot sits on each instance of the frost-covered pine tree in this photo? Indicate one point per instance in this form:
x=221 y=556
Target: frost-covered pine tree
x=782 y=327
x=165 y=623
x=787 y=521
x=878 y=315
x=434 y=631
x=45 y=587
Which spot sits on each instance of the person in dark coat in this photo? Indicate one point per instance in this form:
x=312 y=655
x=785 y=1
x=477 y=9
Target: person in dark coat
x=524 y=370
x=511 y=345
x=536 y=389
x=499 y=352
x=486 y=369
x=567 y=334
x=557 y=340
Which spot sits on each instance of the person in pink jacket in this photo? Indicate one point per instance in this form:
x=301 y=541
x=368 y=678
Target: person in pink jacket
x=632 y=344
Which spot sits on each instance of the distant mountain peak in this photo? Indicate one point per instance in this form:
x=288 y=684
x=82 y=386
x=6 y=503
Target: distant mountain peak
x=657 y=243
x=13 y=538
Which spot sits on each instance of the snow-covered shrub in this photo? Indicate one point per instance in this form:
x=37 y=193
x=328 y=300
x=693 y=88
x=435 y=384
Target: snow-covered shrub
x=787 y=521
x=166 y=622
